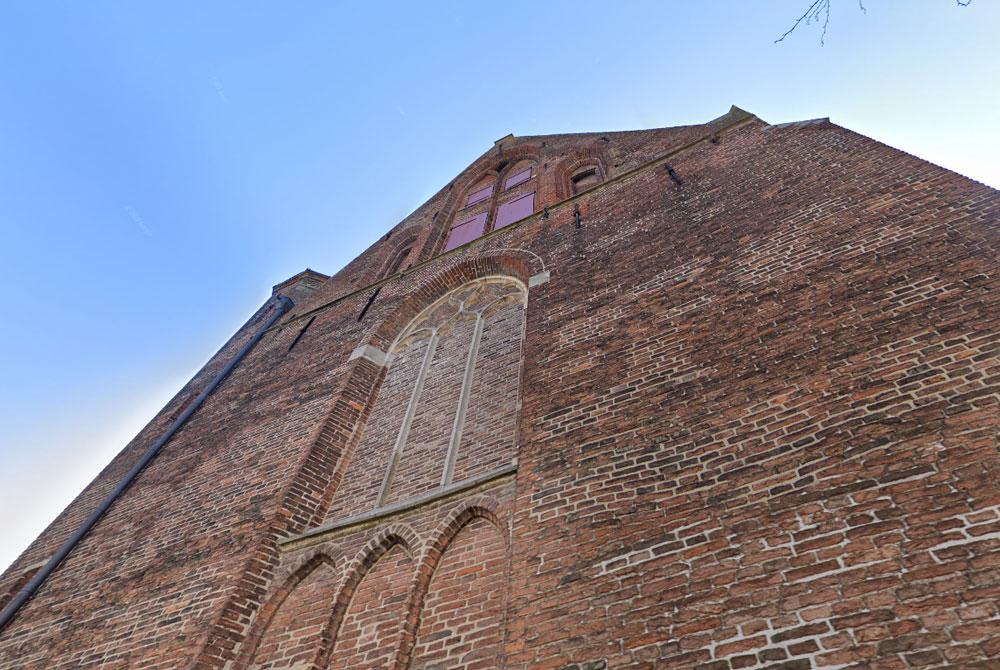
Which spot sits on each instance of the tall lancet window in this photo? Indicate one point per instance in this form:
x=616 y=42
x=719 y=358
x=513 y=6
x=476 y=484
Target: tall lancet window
x=447 y=408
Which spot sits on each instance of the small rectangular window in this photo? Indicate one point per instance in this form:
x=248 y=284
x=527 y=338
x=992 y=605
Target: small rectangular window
x=466 y=231
x=515 y=210
x=517 y=178
x=480 y=195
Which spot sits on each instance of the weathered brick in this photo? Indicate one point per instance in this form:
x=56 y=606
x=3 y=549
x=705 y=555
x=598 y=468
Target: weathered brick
x=654 y=424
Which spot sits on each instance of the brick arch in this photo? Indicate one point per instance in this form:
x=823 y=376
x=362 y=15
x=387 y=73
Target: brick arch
x=397 y=534
x=517 y=157
x=453 y=308
x=503 y=264
x=479 y=507
x=580 y=158
x=497 y=163
x=301 y=569
x=516 y=165
x=480 y=181
x=410 y=239
x=473 y=180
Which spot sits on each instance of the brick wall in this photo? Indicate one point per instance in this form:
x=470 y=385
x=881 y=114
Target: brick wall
x=461 y=619
x=747 y=420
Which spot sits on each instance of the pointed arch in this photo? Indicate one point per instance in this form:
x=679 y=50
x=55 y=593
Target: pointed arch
x=502 y=263
x=483 y=183
x=475 y=517
x=397 y=535
x=450 y=308
x=478 y=507
x=496 y=163
x=447 y=406
x=255 y=651
x=402 y=251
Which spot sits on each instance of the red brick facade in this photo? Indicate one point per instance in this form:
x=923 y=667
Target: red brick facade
x=730 y=398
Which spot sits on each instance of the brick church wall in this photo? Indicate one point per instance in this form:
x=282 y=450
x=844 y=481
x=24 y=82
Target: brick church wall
x=741 y=413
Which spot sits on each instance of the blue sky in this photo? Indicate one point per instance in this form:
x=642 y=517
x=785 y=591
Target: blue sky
x=162 y=165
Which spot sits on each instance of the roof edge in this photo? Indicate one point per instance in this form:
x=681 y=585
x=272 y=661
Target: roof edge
x=308 y=274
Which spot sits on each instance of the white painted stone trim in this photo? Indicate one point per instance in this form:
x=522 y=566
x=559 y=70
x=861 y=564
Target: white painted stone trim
x=463 y=402
x=370 y=353
x=411 y=410
x=538 y=279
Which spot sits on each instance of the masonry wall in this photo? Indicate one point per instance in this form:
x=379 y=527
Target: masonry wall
x=751 y=421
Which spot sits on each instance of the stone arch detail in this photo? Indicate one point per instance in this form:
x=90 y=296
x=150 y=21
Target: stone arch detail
x=481 y=508
x=300 y=571
x=454 y=306
x=516 y=264
x=396 y=535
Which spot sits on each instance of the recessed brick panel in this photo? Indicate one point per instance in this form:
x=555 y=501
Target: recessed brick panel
x=366 y=469
x=491 y=420
x=422 y=461
x=371 y=626
x=461 y=622
x=294 y=635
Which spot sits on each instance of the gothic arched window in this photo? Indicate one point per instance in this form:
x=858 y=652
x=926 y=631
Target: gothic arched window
x=446 y=410
x=496 y=200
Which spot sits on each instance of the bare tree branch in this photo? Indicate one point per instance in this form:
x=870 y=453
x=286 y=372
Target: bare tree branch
x=821 y=9
x=811 y=14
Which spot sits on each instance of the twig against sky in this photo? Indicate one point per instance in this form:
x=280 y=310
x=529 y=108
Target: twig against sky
x=820 y=9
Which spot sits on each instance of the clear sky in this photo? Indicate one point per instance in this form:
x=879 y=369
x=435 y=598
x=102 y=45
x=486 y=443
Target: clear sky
x=162 y=165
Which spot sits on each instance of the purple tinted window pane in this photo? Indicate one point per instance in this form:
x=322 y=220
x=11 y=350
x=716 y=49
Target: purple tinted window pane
x=517 y=178
x=480 y=195
x=515 y=210
x=466 y=231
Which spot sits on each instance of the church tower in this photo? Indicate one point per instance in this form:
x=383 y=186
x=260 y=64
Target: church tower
x=708 y=397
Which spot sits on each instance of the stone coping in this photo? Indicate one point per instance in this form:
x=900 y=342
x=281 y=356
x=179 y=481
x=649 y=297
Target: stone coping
x=357 y=521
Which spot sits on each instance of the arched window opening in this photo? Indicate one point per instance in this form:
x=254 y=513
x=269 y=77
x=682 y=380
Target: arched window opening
x=446 y=410
x=481 y=213
x=397 y=264
x=584 y=178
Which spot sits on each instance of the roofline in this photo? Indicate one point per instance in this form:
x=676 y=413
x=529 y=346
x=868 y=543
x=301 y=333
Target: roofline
x=307 y=273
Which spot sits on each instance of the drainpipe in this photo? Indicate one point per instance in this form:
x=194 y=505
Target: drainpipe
x=284 y=304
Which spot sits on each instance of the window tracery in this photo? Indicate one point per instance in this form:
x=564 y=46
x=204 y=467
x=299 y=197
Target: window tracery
x=446 y=410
